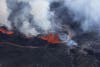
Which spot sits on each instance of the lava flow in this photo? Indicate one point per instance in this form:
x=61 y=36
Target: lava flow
x=2 y=30
x=50 y=38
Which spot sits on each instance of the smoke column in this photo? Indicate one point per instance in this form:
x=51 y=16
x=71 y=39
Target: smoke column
x=33 y=17
x=30 y=17
x=87 y=12
x=4 y=14
x=40 y=11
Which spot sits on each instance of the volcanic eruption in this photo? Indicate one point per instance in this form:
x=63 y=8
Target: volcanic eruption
x=53 y=21
x=72 y=25
x=23 y=18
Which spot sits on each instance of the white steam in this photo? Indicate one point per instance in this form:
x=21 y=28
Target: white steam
x=41 y=13
x=33 y=17
x=27 y=30
x=29 y=17
x=41 y=17
x=4 y=14
x=86 y=11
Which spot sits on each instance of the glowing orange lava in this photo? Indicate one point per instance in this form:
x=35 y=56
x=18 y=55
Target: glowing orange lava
x=6 y=31
x=51 y=38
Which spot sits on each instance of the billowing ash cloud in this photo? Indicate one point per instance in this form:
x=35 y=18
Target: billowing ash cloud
x=33 y=17
x=30 y=17
x=87 y=12
x=40 y=11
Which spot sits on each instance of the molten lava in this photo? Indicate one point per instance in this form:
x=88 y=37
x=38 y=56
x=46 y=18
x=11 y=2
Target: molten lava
x=2 y=30
x=51 y=38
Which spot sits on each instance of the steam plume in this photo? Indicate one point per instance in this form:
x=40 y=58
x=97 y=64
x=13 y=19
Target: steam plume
x=40 y=11
x=33 y=17
x=87 y=12
x=4 y=14
x=30 y=17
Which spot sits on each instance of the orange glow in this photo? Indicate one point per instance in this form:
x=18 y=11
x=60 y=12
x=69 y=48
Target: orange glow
x=6 y=31
x=51 y=38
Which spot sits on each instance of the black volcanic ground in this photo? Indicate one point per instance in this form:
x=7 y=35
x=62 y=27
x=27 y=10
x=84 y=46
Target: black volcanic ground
x=49 y=56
